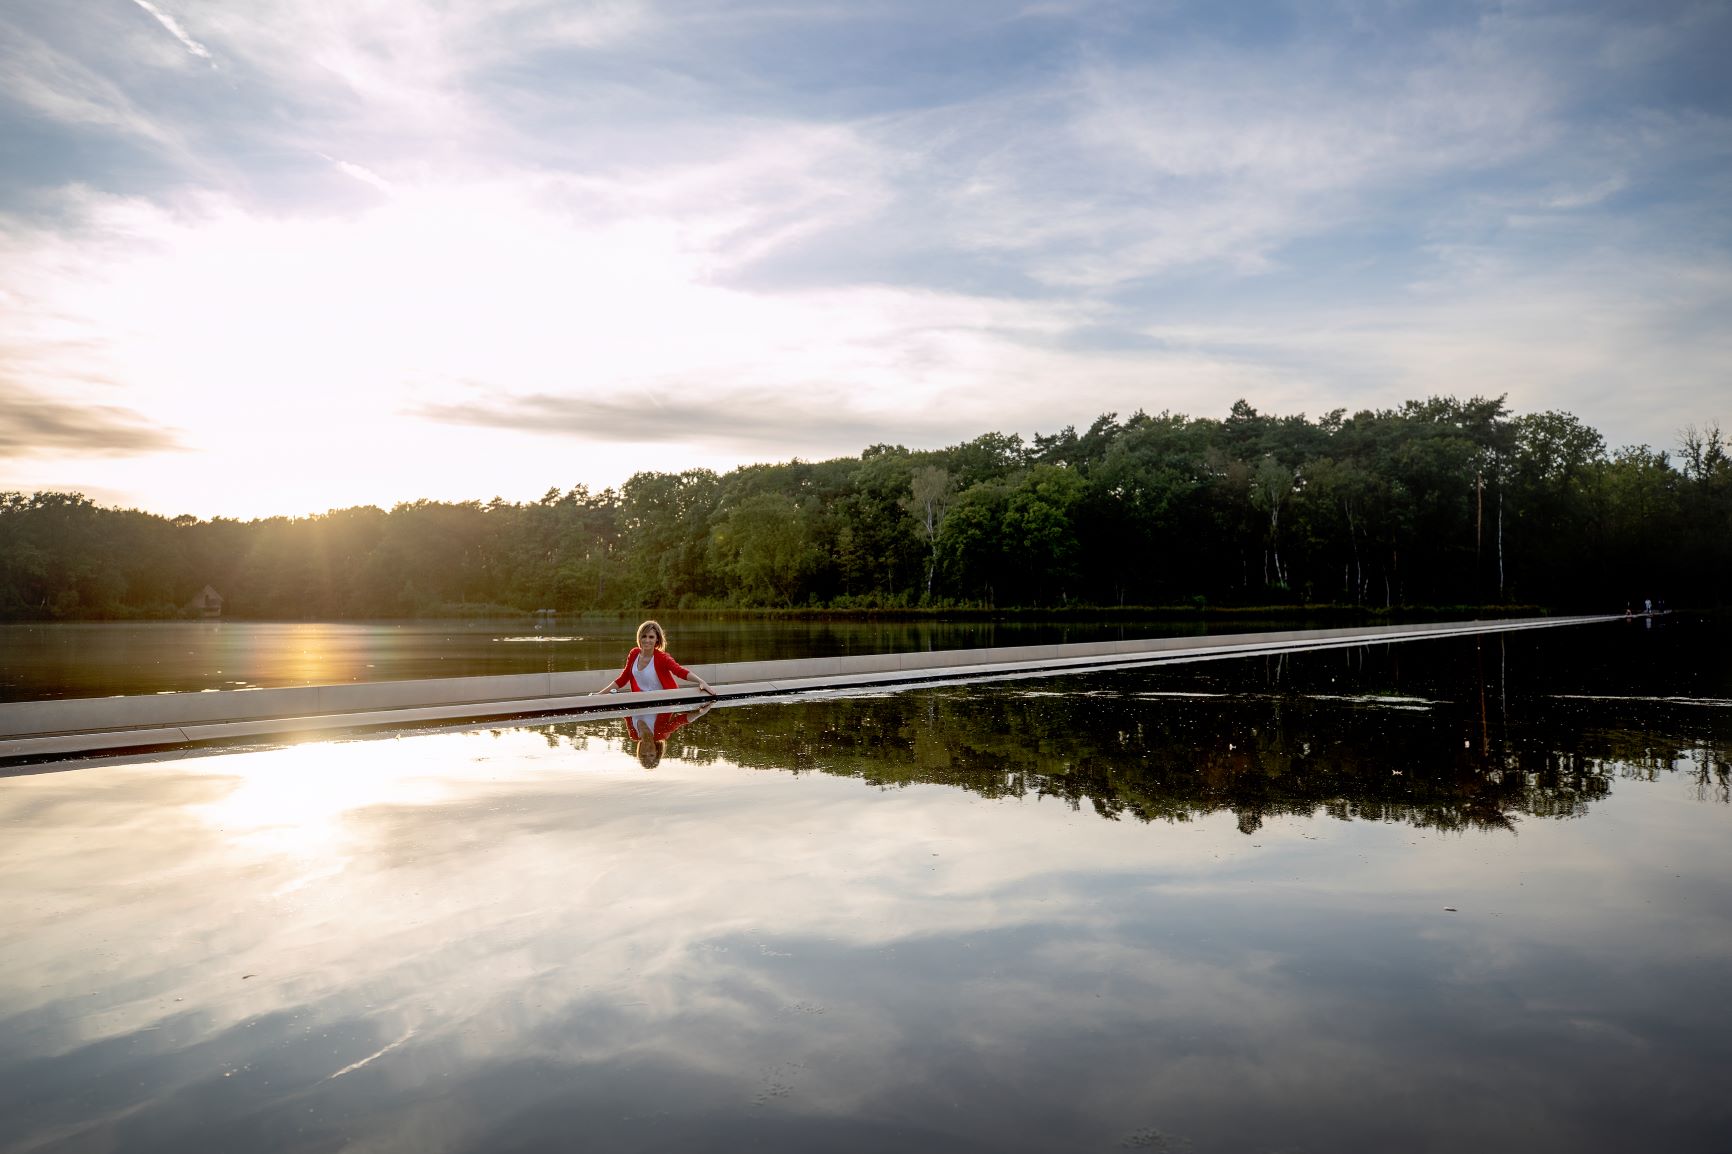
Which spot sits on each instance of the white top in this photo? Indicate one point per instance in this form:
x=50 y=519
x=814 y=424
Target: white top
x=640 y=672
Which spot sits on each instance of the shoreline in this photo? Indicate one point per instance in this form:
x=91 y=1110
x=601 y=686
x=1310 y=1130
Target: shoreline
x=1330 y=612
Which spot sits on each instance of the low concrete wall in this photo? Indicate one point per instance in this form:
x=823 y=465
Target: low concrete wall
x=244 y=712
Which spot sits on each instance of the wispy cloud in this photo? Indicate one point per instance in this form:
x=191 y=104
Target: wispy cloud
x=361 y=173
x=175 y=30
x=417 y=70
x=1222 y=157
x=748 y=420
x=65 y=91
x=36 y=425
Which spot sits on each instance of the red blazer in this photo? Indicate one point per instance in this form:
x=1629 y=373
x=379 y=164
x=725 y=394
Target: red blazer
x=666 y=669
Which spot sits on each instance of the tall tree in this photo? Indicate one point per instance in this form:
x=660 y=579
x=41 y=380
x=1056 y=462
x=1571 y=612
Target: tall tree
x=929 y=499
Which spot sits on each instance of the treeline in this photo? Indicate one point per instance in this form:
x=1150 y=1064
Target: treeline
x=1438 y=502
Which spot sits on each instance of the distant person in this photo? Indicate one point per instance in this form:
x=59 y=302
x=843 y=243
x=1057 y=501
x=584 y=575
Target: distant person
x=648 y=666
x=649 y=733
x=1648 y=606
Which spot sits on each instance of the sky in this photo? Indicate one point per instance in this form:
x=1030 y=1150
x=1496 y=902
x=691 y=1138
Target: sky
x=276 y=258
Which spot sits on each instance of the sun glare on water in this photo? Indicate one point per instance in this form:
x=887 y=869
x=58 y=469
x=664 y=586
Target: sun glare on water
x=305 y=801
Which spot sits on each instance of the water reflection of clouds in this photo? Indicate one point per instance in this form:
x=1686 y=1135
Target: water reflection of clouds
x=193 y=850
x=515 y=911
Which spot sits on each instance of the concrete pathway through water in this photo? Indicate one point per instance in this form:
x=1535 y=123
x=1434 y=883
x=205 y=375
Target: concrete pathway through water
x=43 y=730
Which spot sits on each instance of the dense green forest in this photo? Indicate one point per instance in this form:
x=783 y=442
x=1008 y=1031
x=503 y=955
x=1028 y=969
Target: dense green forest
x=1438 y=502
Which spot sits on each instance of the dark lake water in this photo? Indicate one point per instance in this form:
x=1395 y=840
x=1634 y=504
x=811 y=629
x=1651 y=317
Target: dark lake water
x=98 y=659
x=1442 y=896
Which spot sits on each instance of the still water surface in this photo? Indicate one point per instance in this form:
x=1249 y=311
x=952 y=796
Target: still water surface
x=1448 y=895
x=98 y=659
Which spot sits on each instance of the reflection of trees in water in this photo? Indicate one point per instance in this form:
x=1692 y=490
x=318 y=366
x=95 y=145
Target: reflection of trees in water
x=1705 y=765
x=1438 y=766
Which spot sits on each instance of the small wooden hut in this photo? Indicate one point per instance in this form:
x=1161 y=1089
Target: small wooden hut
x=209 y=603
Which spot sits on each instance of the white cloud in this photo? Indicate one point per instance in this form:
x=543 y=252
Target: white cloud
x=301 y=359
x=54 y=85
x=1226 y=158
x=410 y=65
x=584 y=206
x=361 y=173
x=289 y=348
x=1626 y=343
x=175 y=30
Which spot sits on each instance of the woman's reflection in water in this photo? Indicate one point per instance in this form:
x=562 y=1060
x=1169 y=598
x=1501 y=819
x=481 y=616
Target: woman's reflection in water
x=648 y=732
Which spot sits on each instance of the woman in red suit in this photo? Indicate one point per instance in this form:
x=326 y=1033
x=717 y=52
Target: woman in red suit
x=648 y=666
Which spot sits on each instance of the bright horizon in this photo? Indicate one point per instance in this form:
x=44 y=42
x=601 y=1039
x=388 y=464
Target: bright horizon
x=262 y=260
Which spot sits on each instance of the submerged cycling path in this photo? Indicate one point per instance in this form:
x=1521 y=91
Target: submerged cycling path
x=71 y=727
